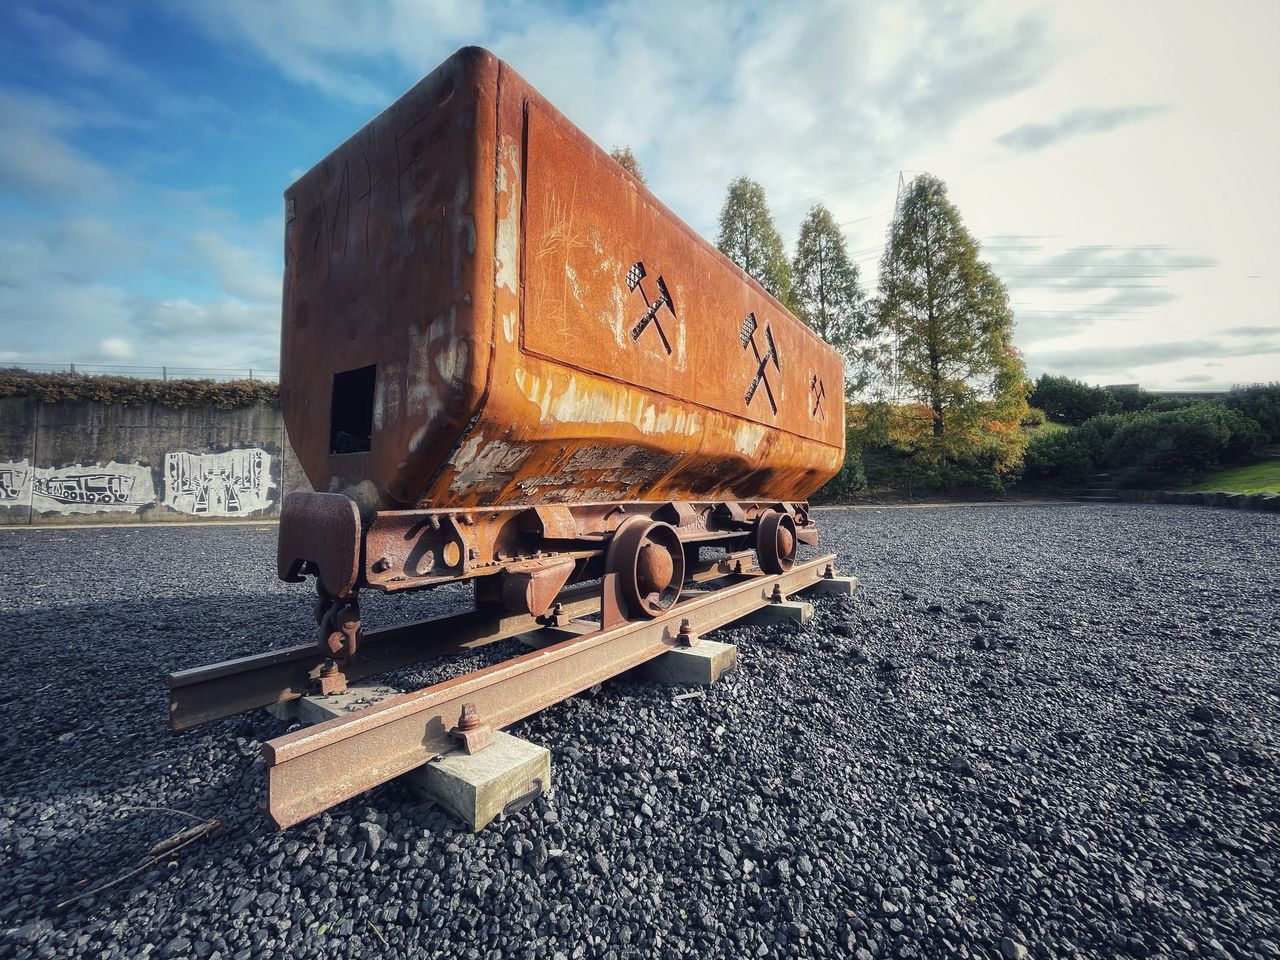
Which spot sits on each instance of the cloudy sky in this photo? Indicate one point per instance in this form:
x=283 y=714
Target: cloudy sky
x=1116 y=159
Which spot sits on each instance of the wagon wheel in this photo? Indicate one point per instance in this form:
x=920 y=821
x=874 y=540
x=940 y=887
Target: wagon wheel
x=776 y=542
x=648 y=558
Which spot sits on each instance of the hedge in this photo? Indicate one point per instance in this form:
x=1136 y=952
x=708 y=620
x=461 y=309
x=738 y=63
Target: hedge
x=131 y=391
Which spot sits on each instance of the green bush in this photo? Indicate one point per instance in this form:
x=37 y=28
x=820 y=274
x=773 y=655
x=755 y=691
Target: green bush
x=845 y=485
x=131 y=391
x=1130 y=398
x=1160 y=448
x=1069 y=401
x=1259 y=402
x=1066 y=457
x=898 y=467
x=1165 y=404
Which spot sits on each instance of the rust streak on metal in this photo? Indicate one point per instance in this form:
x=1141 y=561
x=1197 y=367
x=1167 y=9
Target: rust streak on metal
x=534 y=326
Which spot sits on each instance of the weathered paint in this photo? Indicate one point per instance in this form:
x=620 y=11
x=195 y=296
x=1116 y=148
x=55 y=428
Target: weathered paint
x=541 y=371
x=506 y=241
x=389 y=262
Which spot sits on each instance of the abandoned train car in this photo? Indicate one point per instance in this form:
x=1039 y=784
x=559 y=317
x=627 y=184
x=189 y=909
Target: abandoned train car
x=504 y=359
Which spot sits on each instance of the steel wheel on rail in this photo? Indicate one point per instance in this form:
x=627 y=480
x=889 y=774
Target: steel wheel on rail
x=776 y=542
x=648 y=558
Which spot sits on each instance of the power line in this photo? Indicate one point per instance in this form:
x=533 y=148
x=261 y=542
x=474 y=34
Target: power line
x=819 y=196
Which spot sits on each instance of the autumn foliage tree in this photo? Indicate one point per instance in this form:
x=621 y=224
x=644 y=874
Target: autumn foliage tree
x=750 y=239
x=946 y=319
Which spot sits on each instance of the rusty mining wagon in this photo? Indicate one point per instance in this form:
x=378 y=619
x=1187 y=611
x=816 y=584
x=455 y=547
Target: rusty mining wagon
x=504 y=361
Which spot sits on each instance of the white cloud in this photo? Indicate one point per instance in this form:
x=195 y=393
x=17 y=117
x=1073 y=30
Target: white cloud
x=336 y=46
x=117 y=348
x=818 y=99
x=76 y=49
x=70 y=292
x=35 y=158
x=1087 y=120
x=239 y=271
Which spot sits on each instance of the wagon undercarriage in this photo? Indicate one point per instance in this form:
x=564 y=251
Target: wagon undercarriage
x=590 y=633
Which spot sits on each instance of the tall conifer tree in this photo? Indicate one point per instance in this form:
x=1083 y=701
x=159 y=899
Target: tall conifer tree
x=948 y=318
x=827 y=295
x=749 y=238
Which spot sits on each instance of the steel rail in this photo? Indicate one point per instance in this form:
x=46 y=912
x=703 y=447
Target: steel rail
x=312 y=769
x=203 y=694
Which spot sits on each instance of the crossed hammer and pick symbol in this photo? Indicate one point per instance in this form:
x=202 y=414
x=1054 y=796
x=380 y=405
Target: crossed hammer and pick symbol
x=748 y=337
x=635 y=278
x=819 y=392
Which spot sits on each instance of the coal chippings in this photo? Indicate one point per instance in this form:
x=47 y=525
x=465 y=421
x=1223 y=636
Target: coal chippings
x=1035 y=731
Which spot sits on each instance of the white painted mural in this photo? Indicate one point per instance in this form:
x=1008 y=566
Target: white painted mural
x=231 y=484
x=15 y=482
x=94 y=488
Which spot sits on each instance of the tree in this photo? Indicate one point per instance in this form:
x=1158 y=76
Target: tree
x=627 y=160
x=749 y=238
x=948 y=317
x=827 y=296
x=1065 y=400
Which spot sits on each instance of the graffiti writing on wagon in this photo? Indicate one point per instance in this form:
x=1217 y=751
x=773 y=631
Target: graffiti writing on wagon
x=92 y=488
x=230 y=484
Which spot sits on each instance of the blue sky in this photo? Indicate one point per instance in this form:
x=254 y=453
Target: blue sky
x=1116 y=159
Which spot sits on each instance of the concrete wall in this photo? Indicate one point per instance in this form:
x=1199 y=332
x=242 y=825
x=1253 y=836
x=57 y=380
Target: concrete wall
x=95 y=463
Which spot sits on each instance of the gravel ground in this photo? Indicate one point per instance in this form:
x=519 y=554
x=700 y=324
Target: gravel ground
x=1036 y=730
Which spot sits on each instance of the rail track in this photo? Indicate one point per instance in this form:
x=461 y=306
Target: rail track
x=582 y=642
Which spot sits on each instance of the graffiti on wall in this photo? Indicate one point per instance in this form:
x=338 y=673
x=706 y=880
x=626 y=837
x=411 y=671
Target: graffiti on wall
x=15 y=476
x=92 y=489
x=230 y=484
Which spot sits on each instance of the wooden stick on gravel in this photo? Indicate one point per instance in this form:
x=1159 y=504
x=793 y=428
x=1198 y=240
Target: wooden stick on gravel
x=162 y=849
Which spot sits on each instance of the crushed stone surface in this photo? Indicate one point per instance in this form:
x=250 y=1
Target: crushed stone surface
x=1035 y=731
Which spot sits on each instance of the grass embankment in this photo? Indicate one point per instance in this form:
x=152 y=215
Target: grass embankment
x=1258 y=478
x=1047 y=427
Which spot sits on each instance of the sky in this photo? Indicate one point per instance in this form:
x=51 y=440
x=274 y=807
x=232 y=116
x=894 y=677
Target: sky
x=1116 y=160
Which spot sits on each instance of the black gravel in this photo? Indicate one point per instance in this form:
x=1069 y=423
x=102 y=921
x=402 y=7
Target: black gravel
x=1041 y=730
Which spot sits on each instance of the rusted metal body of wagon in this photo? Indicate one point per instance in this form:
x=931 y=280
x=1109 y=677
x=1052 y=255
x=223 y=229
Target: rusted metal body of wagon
x=499 y=349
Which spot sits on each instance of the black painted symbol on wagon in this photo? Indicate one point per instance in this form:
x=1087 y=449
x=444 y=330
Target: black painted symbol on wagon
x=747 y=334
x=819 y=393
x=635 y=281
